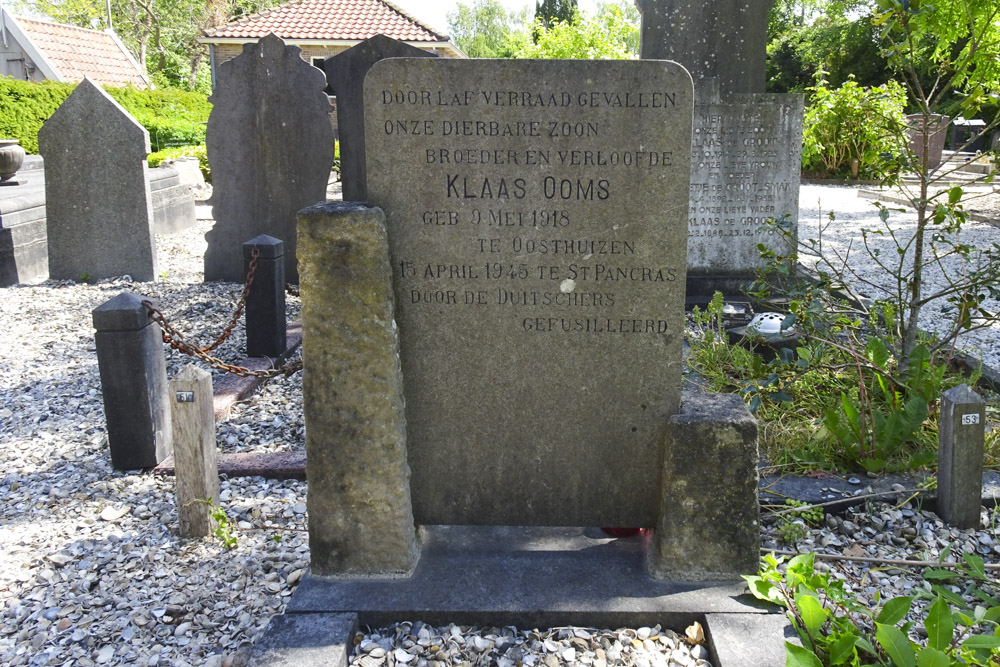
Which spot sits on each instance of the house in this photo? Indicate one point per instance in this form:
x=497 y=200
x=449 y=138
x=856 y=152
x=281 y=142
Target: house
x=322 y=28
x=36 y=50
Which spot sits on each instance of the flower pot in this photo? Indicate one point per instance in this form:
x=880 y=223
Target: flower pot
x=11 y=158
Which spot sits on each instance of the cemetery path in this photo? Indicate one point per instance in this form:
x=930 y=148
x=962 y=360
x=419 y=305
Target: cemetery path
x=91 y=571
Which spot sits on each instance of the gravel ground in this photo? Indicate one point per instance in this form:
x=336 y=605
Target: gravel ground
x=92 y=573
x=853 y=213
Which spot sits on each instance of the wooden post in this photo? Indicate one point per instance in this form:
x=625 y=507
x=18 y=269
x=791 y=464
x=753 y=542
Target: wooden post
x=961 y=443
x=195 y=458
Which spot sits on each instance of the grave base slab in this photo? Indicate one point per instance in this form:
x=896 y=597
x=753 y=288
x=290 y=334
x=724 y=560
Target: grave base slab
x=544 y=577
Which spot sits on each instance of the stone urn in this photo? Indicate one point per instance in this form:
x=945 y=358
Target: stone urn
x=11 y=158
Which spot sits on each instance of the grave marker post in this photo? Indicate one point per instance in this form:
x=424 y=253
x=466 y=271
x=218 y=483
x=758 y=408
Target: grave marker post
x=133 y=382
x=265 y=306
x=961 y=444
x=196 y=475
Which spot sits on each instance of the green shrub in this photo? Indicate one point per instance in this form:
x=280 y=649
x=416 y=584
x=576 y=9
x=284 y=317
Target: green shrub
x=854 y=123
x=172 y=117
x=157 y=158
x=25 y=106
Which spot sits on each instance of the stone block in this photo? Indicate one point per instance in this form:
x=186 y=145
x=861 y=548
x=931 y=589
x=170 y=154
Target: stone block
x=708 y=527
x=306 y=640
x=133 y=383
x=172 y=201
x=360 y=516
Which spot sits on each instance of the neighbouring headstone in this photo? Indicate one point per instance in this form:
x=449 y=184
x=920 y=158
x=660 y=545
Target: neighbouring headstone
x=345 y=73
x=196 y=467
x=133 y=383
x=360 y=517
x=266 y=326
x=961 y=446
x=98 y=207
x=537 y=227
x=270 y=147
x=745 y=171
x=722 y=39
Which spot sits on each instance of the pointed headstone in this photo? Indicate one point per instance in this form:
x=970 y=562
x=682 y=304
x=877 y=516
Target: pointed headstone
x=97 y=198
x=270 y=146
x=345 y=73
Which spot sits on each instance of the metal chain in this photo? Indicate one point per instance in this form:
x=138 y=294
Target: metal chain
x=175 y=339
x=234 y=320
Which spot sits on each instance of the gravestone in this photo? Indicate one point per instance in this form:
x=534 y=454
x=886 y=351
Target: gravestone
x=533 y=245
x=722 y=39
x=270 y=146
x=99 y=213
x=537 y=237
x=345 y=73
x=746 y=146
x=745 y=165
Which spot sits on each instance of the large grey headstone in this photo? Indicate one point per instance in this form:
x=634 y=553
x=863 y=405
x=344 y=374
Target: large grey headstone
x=345 y=73
x=99 y=214
x=745 y=164
x=723 y=39
x=270 y=146
x=537 y=221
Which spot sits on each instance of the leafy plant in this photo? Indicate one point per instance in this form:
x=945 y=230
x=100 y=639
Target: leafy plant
x=853 y=131
x=834 y=629
x=794 y=525
x=157 y=158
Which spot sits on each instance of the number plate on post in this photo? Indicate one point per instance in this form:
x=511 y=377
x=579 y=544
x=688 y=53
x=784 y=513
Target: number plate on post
x=970 y=419
x=188 y=397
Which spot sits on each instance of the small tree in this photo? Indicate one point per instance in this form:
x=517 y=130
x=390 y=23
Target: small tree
x=959 y=42
x=611 y=34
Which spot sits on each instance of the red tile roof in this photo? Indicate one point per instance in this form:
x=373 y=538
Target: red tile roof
x=330 y=20
x=78 y=52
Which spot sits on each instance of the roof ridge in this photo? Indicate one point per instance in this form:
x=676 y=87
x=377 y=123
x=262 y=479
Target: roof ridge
x=406 y=14
x=61 y=25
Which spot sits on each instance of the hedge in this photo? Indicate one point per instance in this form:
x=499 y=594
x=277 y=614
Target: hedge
x=172 y=117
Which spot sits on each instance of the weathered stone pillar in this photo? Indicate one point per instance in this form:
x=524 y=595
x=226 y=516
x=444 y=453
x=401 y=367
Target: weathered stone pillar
x=196 y=468
x=708 y=528
x=961 y=443
x=360 y=514
x=265 y=307
x=134 y=383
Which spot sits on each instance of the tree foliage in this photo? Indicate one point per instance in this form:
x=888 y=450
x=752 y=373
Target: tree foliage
x=550 y=12
x=486 y=29
x=611 y=33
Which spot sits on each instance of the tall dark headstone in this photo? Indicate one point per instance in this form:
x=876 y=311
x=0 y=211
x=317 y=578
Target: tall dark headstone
x=345 y=73
x=270 y=146
x=722 y=39
x=99 y=213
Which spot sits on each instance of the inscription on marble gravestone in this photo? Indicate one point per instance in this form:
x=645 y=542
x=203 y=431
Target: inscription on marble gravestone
x=537 y=220
x=745 y=161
